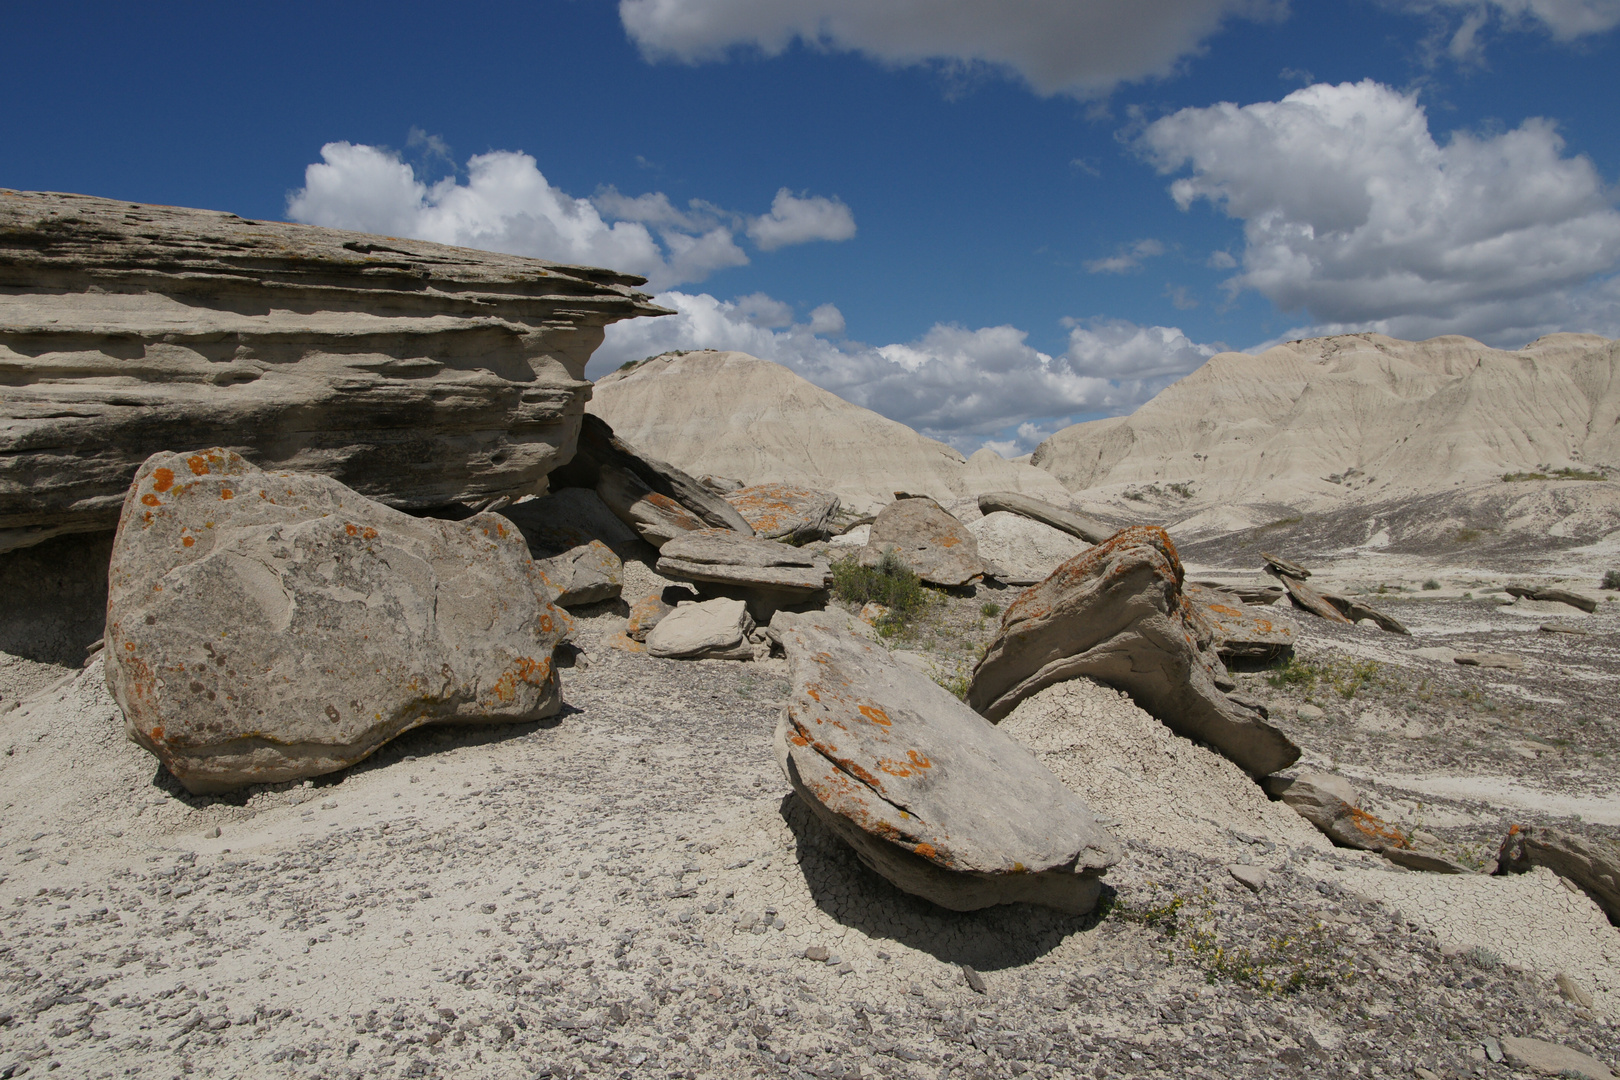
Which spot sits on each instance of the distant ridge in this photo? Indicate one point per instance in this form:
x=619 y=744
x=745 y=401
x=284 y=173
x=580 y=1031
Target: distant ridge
x=735 y=415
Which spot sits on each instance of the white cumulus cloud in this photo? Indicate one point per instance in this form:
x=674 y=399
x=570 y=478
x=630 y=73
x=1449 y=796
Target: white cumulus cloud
x=795 y=220
x=1127 y=258
x=506 y=204
x=1056 y=46
x=968 y=387
x=1355 y=213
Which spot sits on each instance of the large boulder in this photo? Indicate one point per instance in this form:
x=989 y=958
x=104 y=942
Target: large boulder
x=932 y=798
x=1594 y=865
x=768 y=574
x=715 y=629
x=785 y=511
x=266 y=626
x=420 y=375
x=1117 y=615
x=935 y=545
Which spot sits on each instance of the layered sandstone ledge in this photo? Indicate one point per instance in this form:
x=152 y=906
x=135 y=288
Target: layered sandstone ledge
x=421 y=375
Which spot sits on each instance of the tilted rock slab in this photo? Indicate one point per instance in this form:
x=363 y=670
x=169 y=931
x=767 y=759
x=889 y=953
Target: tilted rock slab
x=935 y=545
x=1594 y=865
x=417 y=374
x=785 y=511
x=656 y=518
x=267 y=626
x=1307 y=599
x=1330 y=803
x=1117 y=614
x=942 y=804
x=1078 y=526
x=1355 y=611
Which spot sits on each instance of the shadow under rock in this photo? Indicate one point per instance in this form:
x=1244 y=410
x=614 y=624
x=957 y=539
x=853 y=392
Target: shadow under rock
x=1004 y=936
x=418 y=743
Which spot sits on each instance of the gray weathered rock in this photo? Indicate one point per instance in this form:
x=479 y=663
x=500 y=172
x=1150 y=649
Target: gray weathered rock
x=720 y=485
x=1505 y=661
x=1284 y=567
x=1077 y=525
x=768 y=574
x=1551 y=1059
x=940 y=803
x=1425 y=860
x=645 y=614
x=420 y=375
x=587 y=574
x=712 y=630
x=1307 y=599
x=598 y=448
x=658 y=519
x=1560 y=596
x=1355 y=611
x=1329 y=803
x=1242 y=633
x=1115 y=614
x=785 y=511
x=936 y=546
x=265 y=626
x=1594 y=865
x=566 y=519
x=1019 y=550
x=1253 y=878
x=833 y=618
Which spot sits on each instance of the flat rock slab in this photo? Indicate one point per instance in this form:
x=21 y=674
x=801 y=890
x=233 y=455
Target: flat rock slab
x=1079 y=526
x=785 y=511
x=1428 y=862
x=1240 y=632
x=936 y=546
x=721 y=557
x=268 y=626
x=1307 y=599
x=712 y=630
x=1551 y=1059
x=587 y=574
x=1505 y=661
x=1594 y=865
x=1117 y=615
x=417 y=374
x=931 y=797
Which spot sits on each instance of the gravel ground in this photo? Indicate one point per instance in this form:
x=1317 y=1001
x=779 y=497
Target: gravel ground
x=629 y=889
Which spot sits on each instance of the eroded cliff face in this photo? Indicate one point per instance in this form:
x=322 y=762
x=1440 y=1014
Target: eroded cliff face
x=421 y=375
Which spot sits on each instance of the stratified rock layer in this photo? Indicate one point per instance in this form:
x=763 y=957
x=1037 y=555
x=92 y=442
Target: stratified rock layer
x=931 y=797
x=417 y=374
x=266 y=626
x=1117 y=614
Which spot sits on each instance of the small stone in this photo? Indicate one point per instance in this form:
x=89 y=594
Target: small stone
x=833 y=960
x=1309 y=712
x=1549 y=1059
x=1253 y=878
x=974 y=980
x=818 y=953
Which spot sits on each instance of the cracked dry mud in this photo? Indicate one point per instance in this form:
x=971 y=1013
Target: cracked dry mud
x=628 y=889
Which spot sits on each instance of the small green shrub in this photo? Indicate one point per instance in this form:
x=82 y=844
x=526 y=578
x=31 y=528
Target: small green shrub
x=1611 y=579
x=1431 y=585
x=1282 y=523
x=890 y=583
x=990 y=609
x=1556 y=474
x=1466 y=536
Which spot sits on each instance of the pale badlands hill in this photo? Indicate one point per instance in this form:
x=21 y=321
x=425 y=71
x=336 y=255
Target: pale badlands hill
x=1363 y=419
x=734 y=415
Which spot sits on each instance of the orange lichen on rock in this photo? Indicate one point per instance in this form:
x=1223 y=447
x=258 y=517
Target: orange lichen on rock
x=875 y=714
x=198 y=464
x=162 y=479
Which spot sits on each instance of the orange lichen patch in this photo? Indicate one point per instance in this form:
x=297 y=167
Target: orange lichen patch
x=1375 y=828
x=875 y=714
x=1225 y=610
x=187 y=541
x=157 y=734
x=162 y=479
x=949 y=541
x=130 y=646
x=226 y=493
x=198 y=464
x=151 y=500
x=526 y=669
x=810 y=692
x=798 y=740
x=926 y=850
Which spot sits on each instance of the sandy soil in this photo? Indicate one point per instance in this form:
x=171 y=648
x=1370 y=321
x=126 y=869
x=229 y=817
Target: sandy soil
x=629 y=889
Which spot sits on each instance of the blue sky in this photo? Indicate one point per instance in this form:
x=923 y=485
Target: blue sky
x=983 y=219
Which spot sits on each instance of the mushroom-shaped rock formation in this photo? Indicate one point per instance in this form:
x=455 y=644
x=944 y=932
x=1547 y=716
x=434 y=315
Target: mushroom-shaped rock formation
x=267 y=626
x=1116 y=613
x=420 y=375
x=942 y=804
